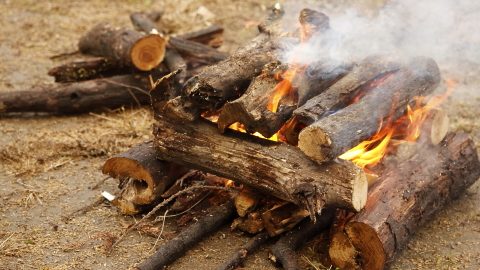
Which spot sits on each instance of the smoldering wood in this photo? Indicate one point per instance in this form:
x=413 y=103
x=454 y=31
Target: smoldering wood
x=313 y=21
x=86 y=70
x=146 y=178
x=276 y=168
x=405 y=197
x=351 y=82
x=251 y=108
x=283 y=251
x=125 y=47
x=80 y=97
x=177 y=246
x=228 y=79
x=237 y=258
x=333 y=135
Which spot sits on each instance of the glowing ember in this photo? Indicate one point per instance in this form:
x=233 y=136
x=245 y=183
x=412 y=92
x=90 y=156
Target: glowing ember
x=282 y=89
x=406 y=129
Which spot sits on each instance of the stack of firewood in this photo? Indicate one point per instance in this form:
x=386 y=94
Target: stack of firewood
x=288 y=191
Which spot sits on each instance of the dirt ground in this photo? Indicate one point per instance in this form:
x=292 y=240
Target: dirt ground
x=48 y=164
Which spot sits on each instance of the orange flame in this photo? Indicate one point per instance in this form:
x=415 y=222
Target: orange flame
x=407 y=128
x=282 y=89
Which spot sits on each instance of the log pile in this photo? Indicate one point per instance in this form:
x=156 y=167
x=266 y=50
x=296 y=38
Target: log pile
x=261 y=138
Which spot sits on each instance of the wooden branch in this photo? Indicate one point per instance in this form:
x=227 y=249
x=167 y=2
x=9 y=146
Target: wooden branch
x=70 y=98
x=143 y=178
x=177 y=247
x=127 y=48
x=283 y=251
x=240 y=255
x=404 y=198
x=283 y=217
x=86 y=70
x=331 y=136
x=338 y=95
x=211 y=36
x=276 y=168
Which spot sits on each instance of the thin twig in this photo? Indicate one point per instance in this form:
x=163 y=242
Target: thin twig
x=5 y=241
x=161 y=230
x=164 y=203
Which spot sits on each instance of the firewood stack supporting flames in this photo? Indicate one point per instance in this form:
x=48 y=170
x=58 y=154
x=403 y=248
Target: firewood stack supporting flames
x=362 y=145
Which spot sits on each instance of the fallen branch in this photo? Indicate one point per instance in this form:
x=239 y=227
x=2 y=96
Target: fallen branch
x=237 y=258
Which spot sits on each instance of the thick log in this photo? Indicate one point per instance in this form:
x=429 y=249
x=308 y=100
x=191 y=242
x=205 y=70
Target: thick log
x=338 y=95
x=127 y=48
x=283 y=251
x=240 y=255
x=144 y=177
x=86 y=70
x=177 y=246
x=252 y=110
x=276 y=168
x=333 y=135
x=404 y=198
x=86 y=96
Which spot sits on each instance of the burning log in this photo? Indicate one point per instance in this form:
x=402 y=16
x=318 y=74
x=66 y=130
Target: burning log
x=278 y=169
x=239 y=256
x=333 y=135
x=143 y=178
x=338 y=95
x=70 y=98
x=283 y=251
x=127 y=48
x=229 y=78
x=403 y=199
x=176 y=247
x=86 y=70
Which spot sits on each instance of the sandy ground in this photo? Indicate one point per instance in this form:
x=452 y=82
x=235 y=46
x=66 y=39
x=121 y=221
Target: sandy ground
x=49 y=164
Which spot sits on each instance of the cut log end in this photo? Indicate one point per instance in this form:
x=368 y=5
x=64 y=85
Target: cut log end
x=310 y=139
x=142 y=188
x=360 y=190
x=357 y=238
x=148 y=52
x=439 y=126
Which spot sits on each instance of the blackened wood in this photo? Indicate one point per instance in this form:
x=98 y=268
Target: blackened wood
x=283 y=250
x=276 y=168
x=338 y=95
x=86 y=70
x=240 y=255
x=228 y=79
x=405 y=197
x=177 y=246
x=80 y=97
x=333 y=135
x=146 y=178
x=211 y=36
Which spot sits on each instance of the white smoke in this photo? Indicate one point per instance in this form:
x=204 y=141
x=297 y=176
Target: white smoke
x=446 y=30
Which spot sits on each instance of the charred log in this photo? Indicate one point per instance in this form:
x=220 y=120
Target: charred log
x=177 y=247
x=333 y=135
x=239 y=256
x=338 y=95
x=277 y=168
x=70 y=98
x=403 y=199
x=283 y=252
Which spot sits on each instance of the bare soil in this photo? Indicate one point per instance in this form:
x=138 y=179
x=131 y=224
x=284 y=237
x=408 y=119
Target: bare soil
x=49 y=164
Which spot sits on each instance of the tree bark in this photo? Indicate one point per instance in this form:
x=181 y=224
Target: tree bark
x=177 y=247
x=143 y=178
x=86 y=70
x=333 y=135
x=276 y=168
x=239 y=256
x=407 y=195
x=127 y=48
x=71 y=98
x=339 y=94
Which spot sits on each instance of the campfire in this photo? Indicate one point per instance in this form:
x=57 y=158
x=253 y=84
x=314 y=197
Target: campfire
x=284 y=149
